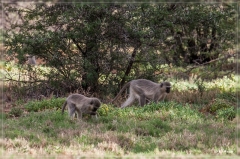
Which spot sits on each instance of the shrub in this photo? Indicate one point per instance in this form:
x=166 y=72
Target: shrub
x=221 y=108
x=44 y=104
x=226 y=113
x=218 y=104
x=16 y=112
x=229 y=96
x=104 y=109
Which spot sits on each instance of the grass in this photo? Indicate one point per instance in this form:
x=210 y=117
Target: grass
x=196 y=121
x=164 y=129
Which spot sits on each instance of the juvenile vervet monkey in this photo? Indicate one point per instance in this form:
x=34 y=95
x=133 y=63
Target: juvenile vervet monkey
x=143 y=89
x=31 y=60
x=81 y=105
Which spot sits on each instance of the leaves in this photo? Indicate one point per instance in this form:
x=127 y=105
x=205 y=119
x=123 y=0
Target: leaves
x=96 y=39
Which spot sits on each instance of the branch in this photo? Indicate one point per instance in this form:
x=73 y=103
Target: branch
x=129 y=67
x=79 y=48
x=212 y=61
x=22 y=81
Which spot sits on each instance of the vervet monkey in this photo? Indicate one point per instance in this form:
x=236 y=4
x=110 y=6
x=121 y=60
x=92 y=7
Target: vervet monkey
x=143 y=89
x=31 y=60
x=81 y=105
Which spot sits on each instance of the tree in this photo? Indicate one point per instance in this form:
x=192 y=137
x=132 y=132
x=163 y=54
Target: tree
x=98 y=46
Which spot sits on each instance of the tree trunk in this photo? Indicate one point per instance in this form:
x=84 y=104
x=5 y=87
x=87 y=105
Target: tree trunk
x=129 y=67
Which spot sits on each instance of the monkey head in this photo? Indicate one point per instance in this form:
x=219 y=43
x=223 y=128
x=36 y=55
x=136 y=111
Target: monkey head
x=167 y=85
x=94 y=105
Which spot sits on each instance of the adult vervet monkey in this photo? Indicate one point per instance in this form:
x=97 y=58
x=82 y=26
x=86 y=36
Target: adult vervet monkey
x=143 y=89
x=81 y=105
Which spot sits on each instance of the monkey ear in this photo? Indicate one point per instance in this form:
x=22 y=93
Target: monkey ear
x=161 y=85
x=91 y=102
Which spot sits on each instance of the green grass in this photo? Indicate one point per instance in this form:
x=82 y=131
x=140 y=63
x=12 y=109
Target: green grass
x=54 y=103
x=191 y=124
x=161 y=129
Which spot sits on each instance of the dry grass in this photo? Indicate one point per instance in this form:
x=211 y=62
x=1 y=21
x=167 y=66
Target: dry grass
x=192 y=96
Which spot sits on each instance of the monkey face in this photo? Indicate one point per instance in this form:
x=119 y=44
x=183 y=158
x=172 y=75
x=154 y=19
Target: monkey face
x=167 y=85
x=168 y=89
x=92 y=110
x=95 y=109
x=94 y=105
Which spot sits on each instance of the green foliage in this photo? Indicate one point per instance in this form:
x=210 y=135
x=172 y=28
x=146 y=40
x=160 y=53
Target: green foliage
x=16 y=112
x=201 y=87
x=222 y=109
x=144 y=146
x=218 y=104
x=53 y=103
x=105 y=109
x=171 y=126
x=155 y=128
x=228 y=95
x=96 y=46
x=168 y=126
x=226 y=113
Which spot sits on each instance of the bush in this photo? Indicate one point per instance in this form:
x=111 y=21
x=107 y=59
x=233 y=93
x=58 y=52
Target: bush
x=218 y=104
x=44 y=104
x=16 y=112
x=221 y=108
x=104 y=109
x=226 y=113
x=99 y=62
x=229 y=96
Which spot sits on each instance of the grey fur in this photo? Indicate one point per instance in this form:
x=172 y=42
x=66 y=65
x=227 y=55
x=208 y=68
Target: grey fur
x=81 y=105
x=143 y=89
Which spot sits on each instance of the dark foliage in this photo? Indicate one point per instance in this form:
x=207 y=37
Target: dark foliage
x=98 y=47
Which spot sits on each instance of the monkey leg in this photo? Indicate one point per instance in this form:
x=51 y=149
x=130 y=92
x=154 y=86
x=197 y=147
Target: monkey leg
x=156 y=99
x=129 y=101
x=71 y=109
x=164 y=96
x=142 y=100
x=148 y=101
x=140 y=96
x=159 y=98
x=79 y=114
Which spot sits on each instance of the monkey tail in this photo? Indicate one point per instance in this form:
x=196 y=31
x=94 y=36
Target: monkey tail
x=63 y=107
x=120 y=92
